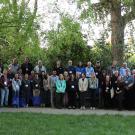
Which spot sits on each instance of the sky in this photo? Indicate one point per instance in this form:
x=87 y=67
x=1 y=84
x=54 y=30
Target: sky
x=50 y=18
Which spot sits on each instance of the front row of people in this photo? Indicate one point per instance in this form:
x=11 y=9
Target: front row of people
x=67 y=90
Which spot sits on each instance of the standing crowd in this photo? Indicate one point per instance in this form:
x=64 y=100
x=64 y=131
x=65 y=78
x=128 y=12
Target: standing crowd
x=67 y=87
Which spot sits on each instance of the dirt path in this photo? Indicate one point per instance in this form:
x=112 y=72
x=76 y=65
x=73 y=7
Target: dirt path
x=69 y=112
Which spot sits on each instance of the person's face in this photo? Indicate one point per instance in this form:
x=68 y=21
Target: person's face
x=114 y=63
x=32 y=72
x=116 y=73
x=54 y=72
x=61 y=77
x=72 y=76
x=88 y=64
x=43 y=73
x=15 y=61
x=80 y=63
x=58 y=63
x=70 y=63
x=83 y=76
x=26 y=60
x=16 y=76
x=40 y=63
x=36 y=76
x=107 y=78
x=26 y=76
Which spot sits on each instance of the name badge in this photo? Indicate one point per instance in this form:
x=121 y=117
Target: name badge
x=26 y=86
x=5 y=83
x=118 y=88
x=107 y=88
x=72 y=86
x=36 y=85
x=70 y=72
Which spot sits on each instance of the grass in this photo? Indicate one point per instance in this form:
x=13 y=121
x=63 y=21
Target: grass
x=43 y=124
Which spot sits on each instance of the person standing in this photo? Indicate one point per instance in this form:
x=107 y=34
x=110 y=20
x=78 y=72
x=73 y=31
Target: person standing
x=4 y=83
x=40 y=68
x=26 y=89
x=14 y=67
x=16 y=86
x=26 y=67
x=72 y=91
x=83 y=86
x=52 y=86
x=60 y=91
x=89 y=70
x=93 y=86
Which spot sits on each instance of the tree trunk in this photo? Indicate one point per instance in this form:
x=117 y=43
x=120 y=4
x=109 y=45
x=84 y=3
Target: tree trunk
x=117 y=37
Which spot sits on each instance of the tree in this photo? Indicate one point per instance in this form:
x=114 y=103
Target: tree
x=121 y=12
x=66 y=43
x=18 y=29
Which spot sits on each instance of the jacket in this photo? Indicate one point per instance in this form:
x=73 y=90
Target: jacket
x=60 y=86
x=83 y=84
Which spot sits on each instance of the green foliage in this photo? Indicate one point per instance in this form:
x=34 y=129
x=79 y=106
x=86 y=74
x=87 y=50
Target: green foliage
x=18 y=32
x=67 y=43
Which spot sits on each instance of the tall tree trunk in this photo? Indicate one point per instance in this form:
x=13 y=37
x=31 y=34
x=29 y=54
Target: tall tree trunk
x=117 y=37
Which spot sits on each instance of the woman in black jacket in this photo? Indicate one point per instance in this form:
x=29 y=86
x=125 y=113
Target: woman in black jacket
x=72 y=90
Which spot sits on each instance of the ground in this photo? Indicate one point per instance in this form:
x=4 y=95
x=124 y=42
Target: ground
x=42 y=121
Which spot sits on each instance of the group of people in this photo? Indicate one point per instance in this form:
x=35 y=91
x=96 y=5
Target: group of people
x=71 y=86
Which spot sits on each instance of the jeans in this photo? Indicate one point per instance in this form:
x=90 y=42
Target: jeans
x=4 y=96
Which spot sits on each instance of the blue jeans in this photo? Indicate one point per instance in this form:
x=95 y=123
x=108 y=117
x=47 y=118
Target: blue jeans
x=4 y=96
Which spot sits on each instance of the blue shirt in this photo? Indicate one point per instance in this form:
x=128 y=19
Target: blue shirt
x=89 y=71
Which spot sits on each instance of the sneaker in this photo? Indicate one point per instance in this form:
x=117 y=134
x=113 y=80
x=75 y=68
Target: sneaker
x=83 y=108
x=94 y=108
x=91 y=108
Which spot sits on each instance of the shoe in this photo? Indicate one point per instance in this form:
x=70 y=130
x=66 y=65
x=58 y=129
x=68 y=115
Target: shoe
x=83 y=108
x=94 y=108
x=91 y=108
x=73 y=107
x=69 y=107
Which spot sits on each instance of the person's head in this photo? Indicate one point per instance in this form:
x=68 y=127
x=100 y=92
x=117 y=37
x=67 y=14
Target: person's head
x=58 y=63
x=9 y=70
x=19 y=71
x=61 y=77
x=98 y=64
x=14 y=61
x=83 y=76
x=124 y=65
x=5 y=72
x=80 y=64
x=127 y=72
x=43 y=73
x=116 y=73
x=32 y=73
x=104 y=73
x=36 y=75
x=16 y=76
x=114 y=63
x=40 y=63
x=26 y=76
x=26 y=60
x=70 y=63
x=72 y=76
x=107 y=78
x=65 y=73
x=133 y=72
x=89 y=64
x=54 y=72
x=120 y=79
x=93 y=75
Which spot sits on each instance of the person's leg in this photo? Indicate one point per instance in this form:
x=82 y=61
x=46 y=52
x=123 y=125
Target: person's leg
x=6 y=96
x=52 y=97
x=2 y=96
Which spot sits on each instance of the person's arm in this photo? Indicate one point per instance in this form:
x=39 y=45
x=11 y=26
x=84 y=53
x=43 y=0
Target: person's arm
x=13 y=86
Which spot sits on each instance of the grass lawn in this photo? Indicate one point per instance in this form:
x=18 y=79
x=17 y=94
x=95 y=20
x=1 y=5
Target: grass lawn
x=43 y=124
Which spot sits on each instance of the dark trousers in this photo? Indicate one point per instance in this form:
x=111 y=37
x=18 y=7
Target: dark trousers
x=59 y=100
x=47 y=98
x=93 y=97
x=71 y=98
x=82 y=98
x=120 y=98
